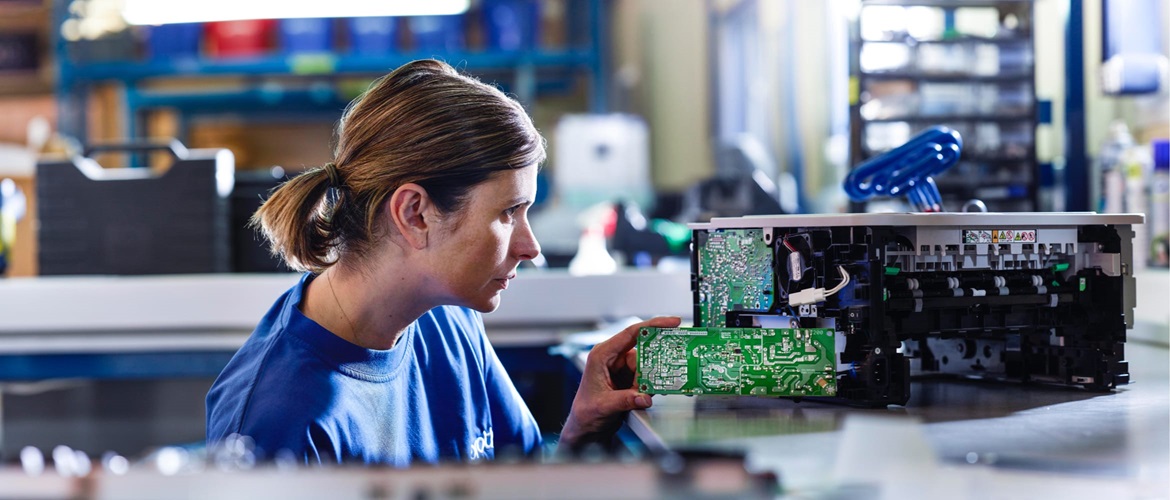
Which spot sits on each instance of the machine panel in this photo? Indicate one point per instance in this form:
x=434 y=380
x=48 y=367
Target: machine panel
x=1043 y=297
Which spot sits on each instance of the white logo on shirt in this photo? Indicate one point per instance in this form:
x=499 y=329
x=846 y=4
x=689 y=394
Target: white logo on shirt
x=481 y=445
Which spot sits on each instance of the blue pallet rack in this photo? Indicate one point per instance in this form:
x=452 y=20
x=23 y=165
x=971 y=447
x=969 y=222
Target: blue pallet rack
x=532 y=71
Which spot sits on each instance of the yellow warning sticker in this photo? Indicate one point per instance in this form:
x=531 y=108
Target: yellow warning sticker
x=999 y=236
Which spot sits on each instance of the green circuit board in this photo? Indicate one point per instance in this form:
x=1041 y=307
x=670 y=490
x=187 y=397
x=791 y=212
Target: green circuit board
x=737 y=361
x=735 y=272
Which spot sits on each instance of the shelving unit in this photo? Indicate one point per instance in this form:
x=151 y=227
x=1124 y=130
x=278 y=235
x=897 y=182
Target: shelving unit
x=973 y=72
x=316 y=85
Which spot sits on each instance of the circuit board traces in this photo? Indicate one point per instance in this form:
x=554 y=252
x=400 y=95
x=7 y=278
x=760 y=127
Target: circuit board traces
x=735 y=269
x=737 y=361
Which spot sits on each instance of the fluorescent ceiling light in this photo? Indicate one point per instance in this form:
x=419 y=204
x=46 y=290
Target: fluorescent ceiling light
x=154 y=12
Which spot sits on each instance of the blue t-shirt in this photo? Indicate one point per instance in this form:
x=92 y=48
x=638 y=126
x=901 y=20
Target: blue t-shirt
x=439 y=394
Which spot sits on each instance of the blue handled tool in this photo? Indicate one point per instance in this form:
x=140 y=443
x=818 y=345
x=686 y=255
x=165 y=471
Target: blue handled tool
x=907 y=169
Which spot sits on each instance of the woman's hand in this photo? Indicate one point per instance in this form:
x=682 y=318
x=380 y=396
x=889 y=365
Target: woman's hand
x=606 y=392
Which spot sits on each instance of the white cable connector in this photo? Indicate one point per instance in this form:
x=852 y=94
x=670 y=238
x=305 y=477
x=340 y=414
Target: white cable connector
x=814 y=295
x=809 y=296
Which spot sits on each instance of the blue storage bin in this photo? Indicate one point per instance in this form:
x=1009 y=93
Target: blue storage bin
x=306 y=35
x=373 y=36
x=174 y=41
x=511 y=25
x=437 y=33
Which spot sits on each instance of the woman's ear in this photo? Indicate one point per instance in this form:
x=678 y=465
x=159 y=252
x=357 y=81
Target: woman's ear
x=409 y=208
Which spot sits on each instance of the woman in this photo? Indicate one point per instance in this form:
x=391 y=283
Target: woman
x=378 y=354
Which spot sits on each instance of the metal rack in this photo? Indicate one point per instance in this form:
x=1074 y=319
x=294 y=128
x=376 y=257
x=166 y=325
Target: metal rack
x=312 y=85
x=981 y=85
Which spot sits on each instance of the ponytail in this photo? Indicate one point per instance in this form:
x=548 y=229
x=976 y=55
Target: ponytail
x=298 y=220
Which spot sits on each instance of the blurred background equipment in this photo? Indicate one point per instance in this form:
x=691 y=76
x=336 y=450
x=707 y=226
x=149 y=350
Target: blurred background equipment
x=643 y=242
x=97 y=220
x=742 y=184
x=598 y=160
x=1158 y=218
x=1133 y=61
x=969 y=65
x=250 y=250
x=602 y=158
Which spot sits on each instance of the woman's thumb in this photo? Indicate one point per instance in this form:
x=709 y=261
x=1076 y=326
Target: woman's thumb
x=621 y=401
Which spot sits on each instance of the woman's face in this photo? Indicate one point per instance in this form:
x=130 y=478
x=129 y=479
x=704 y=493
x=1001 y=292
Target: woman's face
x=477 y=249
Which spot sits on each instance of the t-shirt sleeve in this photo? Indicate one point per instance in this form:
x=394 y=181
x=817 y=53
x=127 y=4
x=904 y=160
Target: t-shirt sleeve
x=513 y=425
x=279 y=428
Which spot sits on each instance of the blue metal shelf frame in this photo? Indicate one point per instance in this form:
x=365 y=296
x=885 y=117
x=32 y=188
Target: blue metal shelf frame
x=340 y=64
x=533 y=72
x=121 y=365
x=1076 y=167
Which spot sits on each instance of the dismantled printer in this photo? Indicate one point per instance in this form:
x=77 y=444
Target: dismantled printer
x=848 y=307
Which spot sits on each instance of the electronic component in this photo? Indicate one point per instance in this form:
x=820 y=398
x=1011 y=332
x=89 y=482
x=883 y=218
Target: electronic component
x=1032 y=297
x=739 y=264
x=737 y=361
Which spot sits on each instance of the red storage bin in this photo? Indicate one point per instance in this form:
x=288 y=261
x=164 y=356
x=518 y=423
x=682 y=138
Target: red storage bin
x=240 y=38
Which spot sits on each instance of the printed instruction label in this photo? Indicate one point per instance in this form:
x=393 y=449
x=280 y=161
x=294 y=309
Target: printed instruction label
x=999 y=236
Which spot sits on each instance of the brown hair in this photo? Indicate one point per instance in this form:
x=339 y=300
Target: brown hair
x=423 y=123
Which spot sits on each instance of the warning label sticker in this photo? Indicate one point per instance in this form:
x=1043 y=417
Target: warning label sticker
x=999 y=236
x=977 y=236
